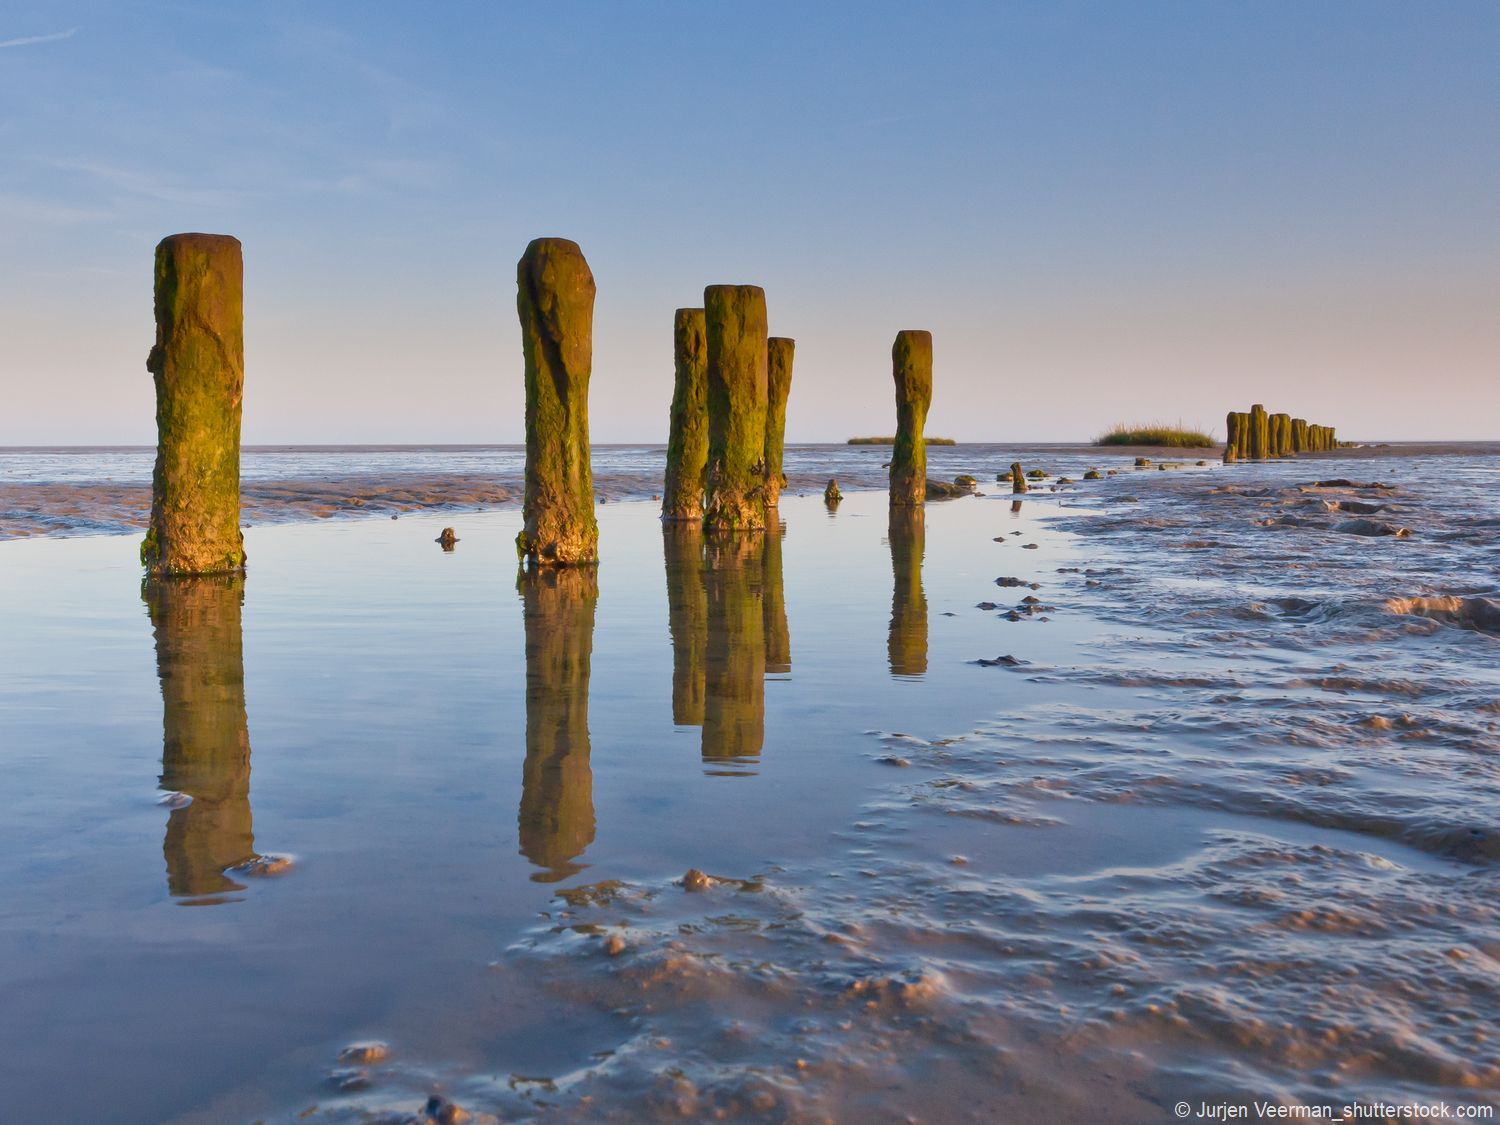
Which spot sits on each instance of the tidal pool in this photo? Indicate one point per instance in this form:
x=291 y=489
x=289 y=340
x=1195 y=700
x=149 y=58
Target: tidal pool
x=376 y=791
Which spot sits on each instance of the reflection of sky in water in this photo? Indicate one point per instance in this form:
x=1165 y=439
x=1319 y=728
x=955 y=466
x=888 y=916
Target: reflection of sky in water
x=385 y=689
x=442 y=749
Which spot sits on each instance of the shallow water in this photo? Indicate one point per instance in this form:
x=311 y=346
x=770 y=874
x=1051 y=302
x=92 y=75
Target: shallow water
x=1229 y=832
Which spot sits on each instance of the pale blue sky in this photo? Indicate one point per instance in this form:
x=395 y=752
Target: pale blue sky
x=1103 y=212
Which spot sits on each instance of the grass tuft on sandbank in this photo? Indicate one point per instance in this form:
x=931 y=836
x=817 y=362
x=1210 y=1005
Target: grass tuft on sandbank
x=1157 y=433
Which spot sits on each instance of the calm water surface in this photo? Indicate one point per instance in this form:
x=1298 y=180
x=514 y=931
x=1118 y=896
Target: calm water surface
x=1199 y=844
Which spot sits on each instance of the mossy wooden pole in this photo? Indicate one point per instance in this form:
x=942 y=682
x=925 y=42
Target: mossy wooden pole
x=738 y=360
x=911 y=365
x=687 y=440
x=555 y=301
x=1299 y=435
x=687 y=619
x=1231 y=437
x=1244 y=432
x=1017 y=478
x=773 y=600
x=205 y=750
x=556 y=818
x=198 y=364
x=1260 y=432
x=734 y=712
x=779 y=354
x=906 y=644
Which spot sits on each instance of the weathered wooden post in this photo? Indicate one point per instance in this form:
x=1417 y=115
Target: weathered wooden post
x=1299 y=435
x=779 y=353
x=911 y=364
x=198 y=365
x=205 y=752
x=1017 y=478
x=1244 y=432
x=734 y=713
x=555 y=300
x=773 y=600
x=831 y=494
x=1260 y=432
x=738 y=389
x=687 y=441
x=555 y=823
x=906 y=645
x=1231 y=436
x=687 y=619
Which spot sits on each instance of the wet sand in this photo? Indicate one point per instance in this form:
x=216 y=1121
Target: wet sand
x=50 y=507
x=1168 y=786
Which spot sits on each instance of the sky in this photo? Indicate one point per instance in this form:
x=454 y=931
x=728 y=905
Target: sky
x=1104 y=212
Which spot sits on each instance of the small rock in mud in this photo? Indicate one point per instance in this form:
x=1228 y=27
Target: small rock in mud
x=1372 y=527
x=1093 y=474
x=1006 y=661
x=987 y=606
x=366 y=1053
x=894 y=760
x=1344 y=482
x=958 y=860
x=264 y=866
x=440 y=1111
x=614 y=945
x=349 y=1079
x=1010 y=581
x=695 y=880
x=1028 y=546
x=1479 y=614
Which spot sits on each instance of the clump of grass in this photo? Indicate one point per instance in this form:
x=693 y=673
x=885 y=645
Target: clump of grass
x=890 y=440
x=1157 y=433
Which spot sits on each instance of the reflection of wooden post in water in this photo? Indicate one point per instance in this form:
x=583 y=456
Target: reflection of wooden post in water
x=734 y=715
x=773 y=600
x=907 y=644
x=556 y=820
x=687 y=619
x=205 y=736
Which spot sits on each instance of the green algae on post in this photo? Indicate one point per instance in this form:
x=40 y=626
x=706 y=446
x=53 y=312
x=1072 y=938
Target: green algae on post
x=205 y=750
x=1018 y=477
x=779 y=354
x=198 y=365
x=555 y=300
x=1260 y=432
x=556 y=818
x=738 y=374
x=687 y=440
x=911 y=366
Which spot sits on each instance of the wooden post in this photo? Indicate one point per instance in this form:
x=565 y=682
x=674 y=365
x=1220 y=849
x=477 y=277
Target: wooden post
x=198 y=364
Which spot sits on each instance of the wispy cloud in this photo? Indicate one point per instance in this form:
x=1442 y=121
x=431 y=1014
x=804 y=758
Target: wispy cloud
x=28 y=40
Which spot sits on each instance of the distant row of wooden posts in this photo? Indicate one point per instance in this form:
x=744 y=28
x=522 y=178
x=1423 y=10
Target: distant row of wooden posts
x=1256 y=435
